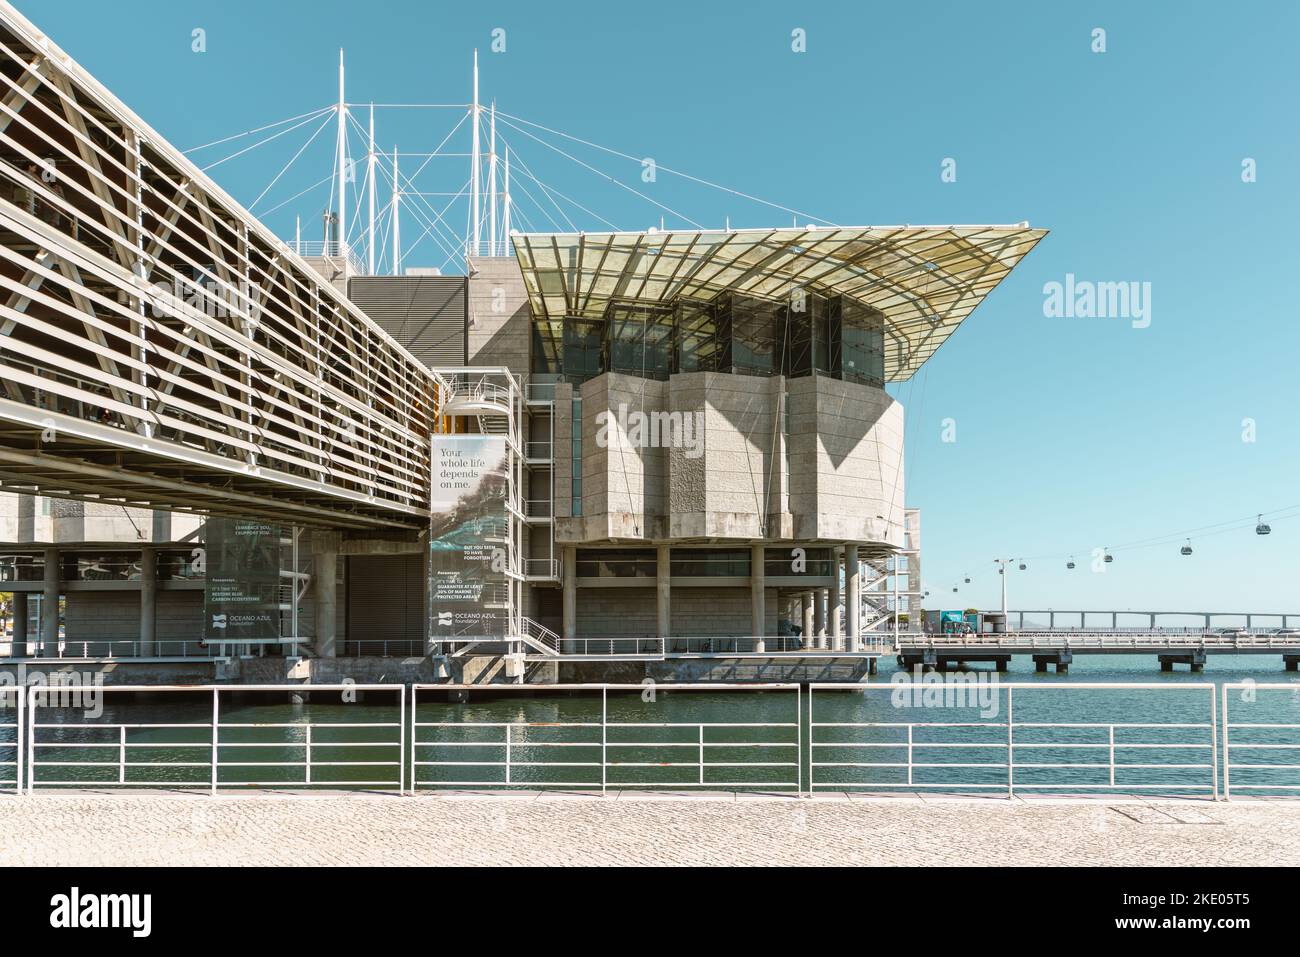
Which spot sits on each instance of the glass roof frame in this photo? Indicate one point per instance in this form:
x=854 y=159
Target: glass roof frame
x=925 y=279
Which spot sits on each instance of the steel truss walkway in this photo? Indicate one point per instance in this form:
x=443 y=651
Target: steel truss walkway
x=160 y=347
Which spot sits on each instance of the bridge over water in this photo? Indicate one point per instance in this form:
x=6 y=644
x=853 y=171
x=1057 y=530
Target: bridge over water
x=1057 y=644
x=160 y=347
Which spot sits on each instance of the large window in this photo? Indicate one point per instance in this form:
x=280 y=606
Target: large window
x=861 y=342
x=616 y=563
x=640 y=340
x=809 y=334
x=698 y=346
x=748 y=328
x=783 y=562
x=805 y=329
x=575 y=457
x=583 y=348
x=710 y=562
x=548 y=343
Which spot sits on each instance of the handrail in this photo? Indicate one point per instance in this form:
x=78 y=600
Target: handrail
x=1270 y=743
x=843 y=770
x=183 y=749
x=597 y=755
x=11 y=772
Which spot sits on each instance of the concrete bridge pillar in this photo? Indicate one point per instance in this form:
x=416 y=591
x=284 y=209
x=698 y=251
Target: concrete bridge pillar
x=819 y=616
x=757 y=592
x=836 y=601
x=570 y=609
x=809 y=627
x=663 y=594
x=325 y=558
x=853 y=585
x=18 y=646
x=148 y=602
x=50 y=606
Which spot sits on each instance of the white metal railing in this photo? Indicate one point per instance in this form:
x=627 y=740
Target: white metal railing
x=11 y=739
x=596 y=753
x=101 y=649
x=541 y=568
x=385 y=647
x=194 y=754
x=537 y=508
x=1268 y=748
x=1010 y=752
x=643 y=646
x=812 y=646
x=541 y=635
x=475 y=390
x=539 y=391
x=995 y=750
x=1131 y=638
x=331 y=249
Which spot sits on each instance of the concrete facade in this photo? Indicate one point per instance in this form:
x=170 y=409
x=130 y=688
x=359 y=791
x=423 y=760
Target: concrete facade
x=828 y=469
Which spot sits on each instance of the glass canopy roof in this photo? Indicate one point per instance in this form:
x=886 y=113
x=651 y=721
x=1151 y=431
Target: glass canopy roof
x=925 y=279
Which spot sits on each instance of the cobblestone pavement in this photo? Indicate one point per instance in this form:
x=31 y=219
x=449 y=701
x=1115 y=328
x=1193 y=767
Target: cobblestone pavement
x=551 y=829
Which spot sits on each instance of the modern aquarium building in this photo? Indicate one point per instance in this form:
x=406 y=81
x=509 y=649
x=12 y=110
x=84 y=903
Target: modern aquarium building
x=227 y=455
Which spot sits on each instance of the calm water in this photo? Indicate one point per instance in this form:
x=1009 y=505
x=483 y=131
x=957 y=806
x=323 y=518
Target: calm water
x=658 y=740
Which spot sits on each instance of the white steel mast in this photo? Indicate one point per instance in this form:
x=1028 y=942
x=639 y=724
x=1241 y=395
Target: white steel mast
x=397 y=219
x=476 y=228
x=370 y=189
x=505 y=221
x=341 y=226
x=492 y=181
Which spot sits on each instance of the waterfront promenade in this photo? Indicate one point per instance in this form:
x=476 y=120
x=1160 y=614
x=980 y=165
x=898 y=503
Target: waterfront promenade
x=636 y=829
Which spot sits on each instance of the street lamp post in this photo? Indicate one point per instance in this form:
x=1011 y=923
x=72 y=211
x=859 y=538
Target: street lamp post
x=1002 y=571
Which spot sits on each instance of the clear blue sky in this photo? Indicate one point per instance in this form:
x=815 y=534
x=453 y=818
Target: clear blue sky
x=1071 y=433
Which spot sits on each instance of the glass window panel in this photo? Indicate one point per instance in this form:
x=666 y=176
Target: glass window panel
x=639 y=340
x=862 y=344
x=583 y=358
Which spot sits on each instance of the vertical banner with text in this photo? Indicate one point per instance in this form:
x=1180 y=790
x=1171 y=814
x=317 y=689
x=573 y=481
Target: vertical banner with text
x=241 y=598
x=468 y=538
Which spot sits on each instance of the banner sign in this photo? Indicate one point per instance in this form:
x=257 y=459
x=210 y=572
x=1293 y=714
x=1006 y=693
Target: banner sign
x=241 y=598
x=468 y=538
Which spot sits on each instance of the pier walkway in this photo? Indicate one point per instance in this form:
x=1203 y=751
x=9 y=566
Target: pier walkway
x=632 y=828
x=1058 y=647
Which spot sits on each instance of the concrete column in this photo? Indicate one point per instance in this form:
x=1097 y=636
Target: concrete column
x=819 y=617
x=757 y=591
x=853 y=585
x=836 y=597
x=162 y=526
x=570 y=574
x=148 y=602
x=50 y=606
x=325 y=558
x=26 y=533
x=809 y=627
x=18 y=646
x=663 y=594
